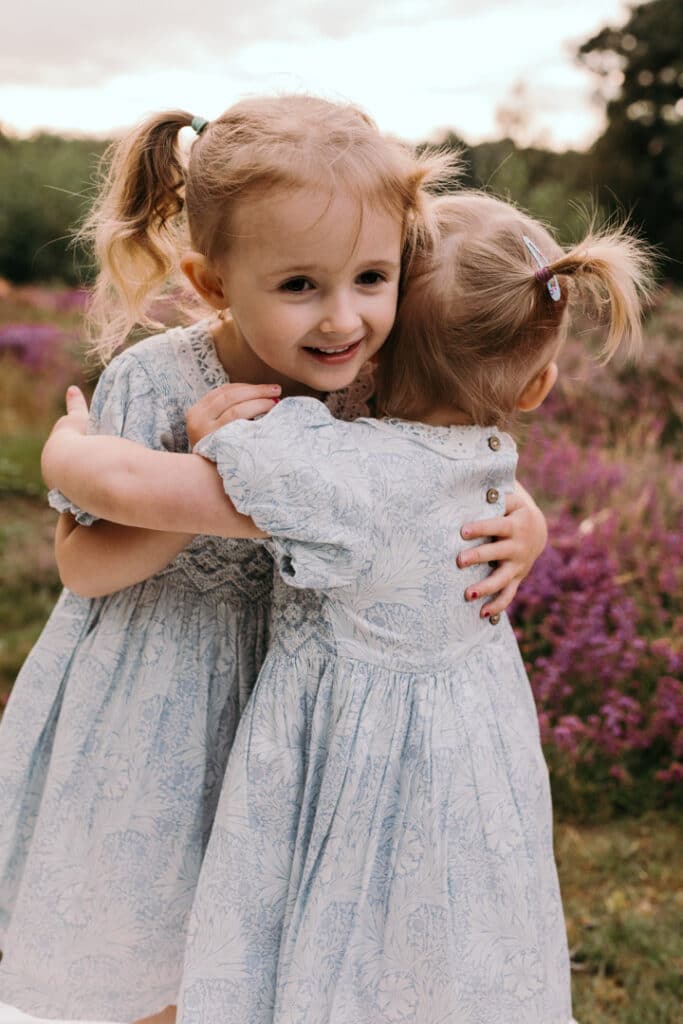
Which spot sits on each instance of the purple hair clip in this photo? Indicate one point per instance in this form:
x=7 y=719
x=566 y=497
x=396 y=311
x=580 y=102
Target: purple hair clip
x=544 y=274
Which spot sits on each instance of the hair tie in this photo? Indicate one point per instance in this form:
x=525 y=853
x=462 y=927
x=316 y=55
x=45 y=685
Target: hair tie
x=543 y=274
x=198 y=124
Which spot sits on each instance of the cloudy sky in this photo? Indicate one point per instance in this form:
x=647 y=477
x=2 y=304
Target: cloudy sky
x=418 y=66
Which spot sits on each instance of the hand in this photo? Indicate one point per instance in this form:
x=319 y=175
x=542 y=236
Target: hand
x=521 y=535
x=76 y=418
x=75 y=422
x=227 y=403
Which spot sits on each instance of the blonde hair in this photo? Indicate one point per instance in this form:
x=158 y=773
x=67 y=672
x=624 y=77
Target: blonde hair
x=151 y=206
x=476 y=323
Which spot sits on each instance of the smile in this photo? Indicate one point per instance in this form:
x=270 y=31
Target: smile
x=334 y=355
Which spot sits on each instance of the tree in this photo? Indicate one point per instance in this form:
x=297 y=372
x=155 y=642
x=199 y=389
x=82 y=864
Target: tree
x=640 y=154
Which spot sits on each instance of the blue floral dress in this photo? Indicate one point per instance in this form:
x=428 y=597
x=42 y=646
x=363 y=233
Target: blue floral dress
x=382 y=849
x=115 y=739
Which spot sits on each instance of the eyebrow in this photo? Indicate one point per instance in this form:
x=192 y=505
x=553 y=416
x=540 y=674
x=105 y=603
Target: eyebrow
x=302 y=269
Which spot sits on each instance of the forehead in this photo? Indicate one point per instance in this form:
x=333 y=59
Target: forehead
x=314 y=226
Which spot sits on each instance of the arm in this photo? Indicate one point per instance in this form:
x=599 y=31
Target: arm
x=522 y=534
x=97 y=560
x=138 y=487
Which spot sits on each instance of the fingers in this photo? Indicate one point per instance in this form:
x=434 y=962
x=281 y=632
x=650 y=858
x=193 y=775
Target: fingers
x=496 y=551
x=513 y=502
x=228 y=395
x=498 y=527
x=245 y=411
x=500 y=602
x=227 y=403
x=75 y=401
x=495 y=582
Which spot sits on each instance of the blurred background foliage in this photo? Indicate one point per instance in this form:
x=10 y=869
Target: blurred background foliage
x=634 y=168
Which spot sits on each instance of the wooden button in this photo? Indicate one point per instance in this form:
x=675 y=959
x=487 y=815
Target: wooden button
x=494 y=619
x=492 y=495
x=494 y=443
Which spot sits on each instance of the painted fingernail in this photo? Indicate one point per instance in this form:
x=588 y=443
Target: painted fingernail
x=473 y=595
x=275 y=400
x=276 y=388
x=486 y=613
x=464 y=532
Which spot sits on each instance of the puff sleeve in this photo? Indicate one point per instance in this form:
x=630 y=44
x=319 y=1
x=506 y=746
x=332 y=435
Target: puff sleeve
x=125 y=404
x=297 y=473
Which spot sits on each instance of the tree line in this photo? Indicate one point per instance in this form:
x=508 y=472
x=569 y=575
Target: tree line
x=634 y=168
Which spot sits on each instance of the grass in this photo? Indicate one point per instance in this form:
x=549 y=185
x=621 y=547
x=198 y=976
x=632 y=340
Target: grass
x=622 y=885
x=29 y=584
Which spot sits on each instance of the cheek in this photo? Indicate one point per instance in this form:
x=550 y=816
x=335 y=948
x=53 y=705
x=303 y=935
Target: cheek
x=388 y=312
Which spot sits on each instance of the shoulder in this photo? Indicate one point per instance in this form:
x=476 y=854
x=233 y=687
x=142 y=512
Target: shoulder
x=181 y=361
x=157 y=351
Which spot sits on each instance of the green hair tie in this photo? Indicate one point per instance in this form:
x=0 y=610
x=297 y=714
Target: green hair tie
x=199 y=124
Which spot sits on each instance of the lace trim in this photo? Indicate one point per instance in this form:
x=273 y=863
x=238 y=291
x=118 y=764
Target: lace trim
x=198 y=359
x=353 y=402
x=470 y=440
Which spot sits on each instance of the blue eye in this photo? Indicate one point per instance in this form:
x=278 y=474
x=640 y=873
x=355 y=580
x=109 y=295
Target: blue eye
x=371 y=277
x=296 y=284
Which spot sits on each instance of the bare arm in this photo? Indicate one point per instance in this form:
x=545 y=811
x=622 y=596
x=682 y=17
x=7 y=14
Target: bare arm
x=97 y=560
x=137 y=487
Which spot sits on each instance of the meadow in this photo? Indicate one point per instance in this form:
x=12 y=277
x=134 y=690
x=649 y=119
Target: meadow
x=600 y=623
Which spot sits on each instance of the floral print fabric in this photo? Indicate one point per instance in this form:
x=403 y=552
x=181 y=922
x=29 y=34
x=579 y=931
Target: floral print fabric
x=382 y=849
x=115 y=739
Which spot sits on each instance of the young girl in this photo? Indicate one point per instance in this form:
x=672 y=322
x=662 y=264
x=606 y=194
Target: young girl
x=382 y=849
x=115 y=739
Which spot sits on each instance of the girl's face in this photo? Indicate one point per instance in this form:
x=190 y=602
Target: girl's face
x=312 y=286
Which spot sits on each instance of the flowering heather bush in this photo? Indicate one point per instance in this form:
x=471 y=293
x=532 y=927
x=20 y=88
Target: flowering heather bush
x=600 y=620
x=34 y=345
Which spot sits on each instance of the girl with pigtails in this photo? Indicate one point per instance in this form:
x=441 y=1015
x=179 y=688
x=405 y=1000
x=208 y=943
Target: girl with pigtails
x=294 y=220
x=382 y=847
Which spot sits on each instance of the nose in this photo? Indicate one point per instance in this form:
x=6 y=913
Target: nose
x=340 y=315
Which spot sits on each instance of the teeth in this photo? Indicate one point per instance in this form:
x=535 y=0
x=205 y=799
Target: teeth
x=333 y=351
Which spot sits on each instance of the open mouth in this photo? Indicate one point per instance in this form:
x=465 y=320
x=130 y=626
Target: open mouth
x=338 y=354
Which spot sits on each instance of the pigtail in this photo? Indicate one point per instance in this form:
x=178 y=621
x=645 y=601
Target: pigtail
x=613 y=271
x=133 y=228
x=433 y=172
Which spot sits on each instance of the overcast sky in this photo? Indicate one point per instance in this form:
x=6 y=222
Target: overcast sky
x=418 y=66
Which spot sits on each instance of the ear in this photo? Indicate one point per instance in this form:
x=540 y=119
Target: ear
x=204 y=280
x=538 y=388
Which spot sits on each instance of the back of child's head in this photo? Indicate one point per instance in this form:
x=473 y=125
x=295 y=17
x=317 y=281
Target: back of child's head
x=489 y=306
x=154 y=204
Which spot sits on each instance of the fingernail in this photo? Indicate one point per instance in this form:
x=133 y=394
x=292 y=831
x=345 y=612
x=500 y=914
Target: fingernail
x=72 y=389
x=276 y=388
x=473 y=595
x=464 y=532
x=486 y=613
x=275 y=401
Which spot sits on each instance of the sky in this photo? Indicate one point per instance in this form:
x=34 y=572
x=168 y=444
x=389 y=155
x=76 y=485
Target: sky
x=419 y=67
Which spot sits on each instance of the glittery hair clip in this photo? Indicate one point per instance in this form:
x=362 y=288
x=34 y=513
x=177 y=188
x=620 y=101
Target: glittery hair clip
x=544 y=274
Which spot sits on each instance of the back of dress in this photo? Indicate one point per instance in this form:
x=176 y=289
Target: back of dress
x=387 y=791
x=368 y=515
x=406 y=608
